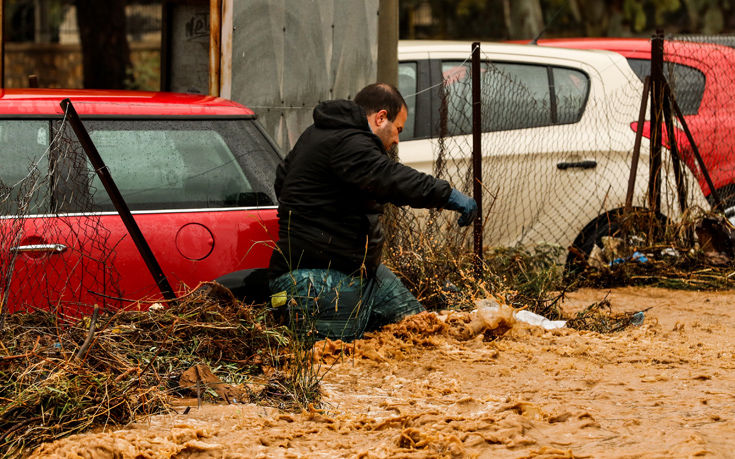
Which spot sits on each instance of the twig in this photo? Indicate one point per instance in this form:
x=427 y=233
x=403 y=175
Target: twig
x=162 y=300
x=126 y=373
x=20 y=425
x=90 y=335
x=21 y=356
x=155 y=356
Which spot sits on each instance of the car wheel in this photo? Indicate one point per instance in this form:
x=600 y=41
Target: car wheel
x=608 y=224
x=248 y=285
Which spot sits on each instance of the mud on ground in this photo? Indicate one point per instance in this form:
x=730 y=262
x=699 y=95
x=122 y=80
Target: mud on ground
x=419 y=389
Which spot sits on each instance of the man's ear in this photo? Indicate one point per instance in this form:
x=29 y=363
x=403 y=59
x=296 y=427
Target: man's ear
x=381 y=116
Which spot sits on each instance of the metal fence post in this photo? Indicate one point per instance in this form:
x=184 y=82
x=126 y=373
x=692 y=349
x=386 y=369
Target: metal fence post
x=477 y=154
x=681 y=191
x=120 y=205
x=657 y=80
x=719 y=203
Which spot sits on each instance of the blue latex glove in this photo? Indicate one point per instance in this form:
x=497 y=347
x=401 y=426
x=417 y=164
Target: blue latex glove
x=464 y=204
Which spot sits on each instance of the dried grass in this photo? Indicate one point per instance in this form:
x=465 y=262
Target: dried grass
x=440 y=269
x=696 y=253
x=131 y=367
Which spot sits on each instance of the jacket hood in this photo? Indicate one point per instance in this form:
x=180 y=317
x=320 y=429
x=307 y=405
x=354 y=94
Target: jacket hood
x=340 y=114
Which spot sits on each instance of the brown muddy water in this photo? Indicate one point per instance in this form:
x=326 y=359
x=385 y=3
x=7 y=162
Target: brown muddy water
x=425 y=388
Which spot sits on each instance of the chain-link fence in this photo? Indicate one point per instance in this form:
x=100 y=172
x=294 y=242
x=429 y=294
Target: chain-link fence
x=558 y=132
x=55 y=250
x=699 y=69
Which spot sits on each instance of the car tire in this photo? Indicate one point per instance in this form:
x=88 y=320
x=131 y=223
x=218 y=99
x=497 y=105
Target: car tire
x=249 y=285
x=607 y=224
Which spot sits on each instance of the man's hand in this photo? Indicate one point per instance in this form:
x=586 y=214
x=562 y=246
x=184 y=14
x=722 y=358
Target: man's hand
x=464 y=204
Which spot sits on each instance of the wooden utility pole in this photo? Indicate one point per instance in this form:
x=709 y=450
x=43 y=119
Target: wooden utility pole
x=225 y=65
x=215 y=48
x=388 y=42
x=2 y=43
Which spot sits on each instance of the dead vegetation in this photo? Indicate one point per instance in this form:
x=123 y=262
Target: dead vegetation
x=442 y=273
x=697 y=253
x=688 y=270
x=600 y=317
x=133 y=363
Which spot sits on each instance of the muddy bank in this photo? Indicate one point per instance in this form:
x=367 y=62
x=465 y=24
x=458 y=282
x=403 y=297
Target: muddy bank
x=665 y=388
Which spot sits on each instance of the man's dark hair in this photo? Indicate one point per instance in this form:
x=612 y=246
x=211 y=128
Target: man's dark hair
x=380 y=96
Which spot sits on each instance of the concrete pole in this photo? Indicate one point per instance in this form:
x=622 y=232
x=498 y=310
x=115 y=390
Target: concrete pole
x=388 y=42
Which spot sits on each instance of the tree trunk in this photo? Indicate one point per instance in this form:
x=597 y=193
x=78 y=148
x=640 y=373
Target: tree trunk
x=596 y=17
x=105 y=50
x=524 y=18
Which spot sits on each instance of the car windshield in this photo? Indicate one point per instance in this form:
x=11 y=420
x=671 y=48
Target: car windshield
x=183 y=164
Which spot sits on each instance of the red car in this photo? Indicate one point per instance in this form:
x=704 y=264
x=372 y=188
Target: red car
x=196 y=171
x=703 y=83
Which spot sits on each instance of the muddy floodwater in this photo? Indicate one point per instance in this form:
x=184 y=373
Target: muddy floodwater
x=665 y=388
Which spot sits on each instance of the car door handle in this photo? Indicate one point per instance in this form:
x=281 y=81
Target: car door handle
x=47 y=248
x=586 y=164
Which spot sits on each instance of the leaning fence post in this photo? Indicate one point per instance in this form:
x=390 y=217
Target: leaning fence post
x=719 y=203
x=477 y=154
x=681 y=191
x=637 y=145
x=120 y=205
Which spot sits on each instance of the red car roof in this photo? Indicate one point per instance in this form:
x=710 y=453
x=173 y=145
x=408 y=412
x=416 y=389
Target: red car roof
x=641 y=48
x=108 y=102
x=632 y=44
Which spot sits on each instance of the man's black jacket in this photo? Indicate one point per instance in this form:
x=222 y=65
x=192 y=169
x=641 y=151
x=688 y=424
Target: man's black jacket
x=331 y=189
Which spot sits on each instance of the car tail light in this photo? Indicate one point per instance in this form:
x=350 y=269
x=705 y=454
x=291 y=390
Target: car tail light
x=679 y=135
x=682 y=142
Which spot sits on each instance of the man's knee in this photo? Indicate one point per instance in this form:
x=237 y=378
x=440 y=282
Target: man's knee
x=392 y=301
x=323 y=304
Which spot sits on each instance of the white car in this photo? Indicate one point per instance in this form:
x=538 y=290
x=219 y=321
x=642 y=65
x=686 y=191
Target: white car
x=558 y=135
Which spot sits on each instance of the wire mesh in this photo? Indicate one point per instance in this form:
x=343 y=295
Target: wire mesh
x=699 y=69
x=557 y=142
x=54 y=247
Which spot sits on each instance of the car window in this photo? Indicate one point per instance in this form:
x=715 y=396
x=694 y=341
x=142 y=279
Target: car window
x=407 y=86
x=514 y=96
x=181 y=164
x=570 y=88
x=456 y=95
x=24 y=148
x=687 y=83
